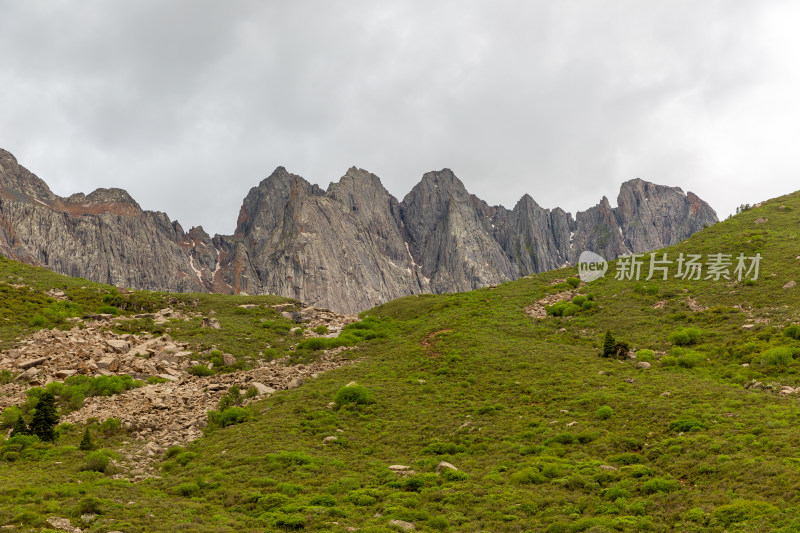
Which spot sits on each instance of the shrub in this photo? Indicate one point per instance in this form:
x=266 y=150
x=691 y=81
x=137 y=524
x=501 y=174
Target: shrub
x=562 y=438
x=9 y=417
x=353 y=394
x=613 y=493
x=645 y=355
x=685 y=336
x=186 y=489
x=741 y=511
x=229 y=416
x=438 y=522
x=200 y=370
x=321 y=330
x=579 y=300
x=89 y=505
x=528 y=476
x=690 y=359
x=573 y=282
x=108 y=310
x=780 y=356
x=323 y=500
x=454 y=475
x=658 y=484
x=685 y=425
x=563 y=309
x=443 y=448
x=96 y=462
x=289 y=522
x=6 y=377
x=626 y=458
x=110 y=426
x=792 y=331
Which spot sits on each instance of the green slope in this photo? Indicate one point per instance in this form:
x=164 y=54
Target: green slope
x=546 y=434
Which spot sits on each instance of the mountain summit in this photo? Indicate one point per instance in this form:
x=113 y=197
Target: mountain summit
x=347 y=248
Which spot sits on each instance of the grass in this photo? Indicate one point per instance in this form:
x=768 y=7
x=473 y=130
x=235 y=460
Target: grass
x=546 y=434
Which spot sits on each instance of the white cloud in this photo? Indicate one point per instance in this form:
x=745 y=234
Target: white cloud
x=189 y=104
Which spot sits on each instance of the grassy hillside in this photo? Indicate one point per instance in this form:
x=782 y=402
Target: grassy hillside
x=546 y=434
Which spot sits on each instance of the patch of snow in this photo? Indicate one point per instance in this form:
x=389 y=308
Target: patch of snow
x=41 y=202
x=216 y=267
x=571 y=236
x=197 y=272
x=410 y=257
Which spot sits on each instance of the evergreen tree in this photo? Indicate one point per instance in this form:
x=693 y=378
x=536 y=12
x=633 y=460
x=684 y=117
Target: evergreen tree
x=45 y=418
x=609 y=346
x=86 y=442
x=20 y=428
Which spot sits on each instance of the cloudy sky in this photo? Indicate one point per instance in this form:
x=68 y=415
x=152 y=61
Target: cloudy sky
x=189 y=104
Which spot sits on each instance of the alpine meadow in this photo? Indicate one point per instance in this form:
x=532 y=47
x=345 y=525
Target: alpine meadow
x=492 y=410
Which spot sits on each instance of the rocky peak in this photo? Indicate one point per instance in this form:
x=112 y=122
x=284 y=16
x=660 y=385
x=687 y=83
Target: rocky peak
x=361 y=193
x=18 y=180
x=104 y=196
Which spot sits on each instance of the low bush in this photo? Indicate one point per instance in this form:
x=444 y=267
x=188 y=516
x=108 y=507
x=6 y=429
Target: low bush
x=658 y=484
x=573 y=282
x=604 y=412
x=779 y=356
x=353 y=394
x=563 y=309
x=685 y=336
x=229 y=416
x=685 y=425
x=200 y=370
x=792 y=331
x=96 y=461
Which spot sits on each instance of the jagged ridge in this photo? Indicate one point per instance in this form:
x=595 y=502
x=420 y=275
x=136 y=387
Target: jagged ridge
x=347 y=248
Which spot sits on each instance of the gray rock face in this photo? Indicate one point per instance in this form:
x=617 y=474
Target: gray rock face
x=347 y=248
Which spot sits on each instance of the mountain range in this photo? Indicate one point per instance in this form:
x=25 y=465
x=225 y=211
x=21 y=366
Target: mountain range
x=347 y=248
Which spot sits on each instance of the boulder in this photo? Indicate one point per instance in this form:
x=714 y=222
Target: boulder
x=644 y=365
x=407 y=526
x=118 y=345
x=28 y=363
x=789 y=284
x=328 y=440
x=228 y=359
x=209 y=322
x=443 y=465
x=62 y=524
x=262 y=389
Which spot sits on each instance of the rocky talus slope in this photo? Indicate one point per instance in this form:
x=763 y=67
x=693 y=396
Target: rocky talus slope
x=155 y=415
x=347 y=248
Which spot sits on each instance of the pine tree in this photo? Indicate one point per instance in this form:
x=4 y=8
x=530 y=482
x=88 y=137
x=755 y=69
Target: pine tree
x=45 y=418
x=86 y=442
x=609 y=346
x=20 y=428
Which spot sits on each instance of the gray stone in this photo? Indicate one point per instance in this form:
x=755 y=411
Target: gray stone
x=444 y=465
x=262 y=389
x=644 y=365
x=211 y=322
x=407 y=526
x=28 y=363
x=789 y=285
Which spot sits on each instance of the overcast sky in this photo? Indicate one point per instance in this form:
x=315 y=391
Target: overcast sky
x=189 y=104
